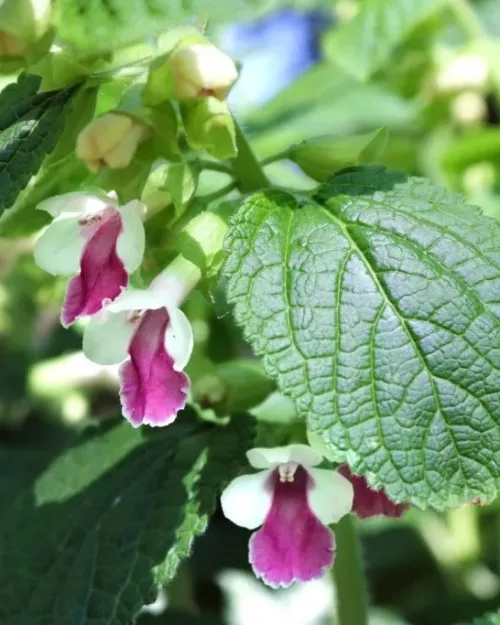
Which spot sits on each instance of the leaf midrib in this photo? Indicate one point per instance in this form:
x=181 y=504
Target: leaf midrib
x=385 y=296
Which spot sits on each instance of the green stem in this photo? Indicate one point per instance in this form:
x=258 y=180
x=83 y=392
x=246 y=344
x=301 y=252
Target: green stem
x=352 y=601
x=246 y=167
x=216 y=166
x=210 y=197
x=472 y=26
x=280 y=156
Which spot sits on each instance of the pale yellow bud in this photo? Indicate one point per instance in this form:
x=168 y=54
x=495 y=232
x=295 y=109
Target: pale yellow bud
x=10 y=45
x=110 y=141
x=202 y=70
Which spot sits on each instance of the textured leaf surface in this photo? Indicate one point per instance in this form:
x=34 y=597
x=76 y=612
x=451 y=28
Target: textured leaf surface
x=84 y=541
x=30 y=125
x=60 y=172
x=364 y=44
x=376 y=306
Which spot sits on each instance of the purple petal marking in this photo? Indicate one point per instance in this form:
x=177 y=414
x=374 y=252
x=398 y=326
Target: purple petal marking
x=368 y=502
x=151 y=391
x=292 y=544
x=102 y=274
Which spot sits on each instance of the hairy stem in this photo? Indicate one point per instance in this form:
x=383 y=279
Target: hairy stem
x=246 y=167
x=352 y=600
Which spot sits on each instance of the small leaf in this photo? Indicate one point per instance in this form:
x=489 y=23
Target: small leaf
x=363 y=45
x=375 y=304
x=105 y=514
x=30 y=125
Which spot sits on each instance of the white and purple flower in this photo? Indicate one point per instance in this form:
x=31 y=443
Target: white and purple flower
x=147 y=332
x=369 y=502
x=294 y=503
x=98 y=242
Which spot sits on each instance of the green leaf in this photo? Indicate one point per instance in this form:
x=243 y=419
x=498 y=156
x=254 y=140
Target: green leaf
x=324 y=100
x=375 y=304
x=88 y=539
x=104 y=25
x=30 y=125
x=60 y=172
x=365 y=44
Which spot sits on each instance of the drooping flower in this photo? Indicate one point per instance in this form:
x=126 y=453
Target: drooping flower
x=147 y=332
x=110 y=141
x=97 y=241
x=201 y=69
x=294 y=503
x=369 y=502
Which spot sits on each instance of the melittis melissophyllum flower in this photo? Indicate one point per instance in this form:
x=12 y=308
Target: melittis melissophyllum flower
x=369 y=502
x=97 y=241
x=146 y=331
x=294 y=502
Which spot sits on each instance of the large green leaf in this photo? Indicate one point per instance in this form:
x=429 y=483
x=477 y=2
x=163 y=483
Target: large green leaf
x=85 y=542
x=364 y=44
x=375 y=304
x=30 y=124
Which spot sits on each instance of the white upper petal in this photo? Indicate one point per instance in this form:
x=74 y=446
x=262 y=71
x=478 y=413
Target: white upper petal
x=247 y=500
x=131 y=241
x=59 y=249
x=107 y=337
x=265 y=458
x=75 y=203
x=137 y=299
x=331 y=496
x=179 y=338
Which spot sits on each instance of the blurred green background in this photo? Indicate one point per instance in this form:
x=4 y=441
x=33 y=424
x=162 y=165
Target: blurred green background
x=427 y=70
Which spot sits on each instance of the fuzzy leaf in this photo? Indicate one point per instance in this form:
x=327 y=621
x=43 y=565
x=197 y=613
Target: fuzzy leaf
x=105 y=514
x=375 y=304
x=30 y=124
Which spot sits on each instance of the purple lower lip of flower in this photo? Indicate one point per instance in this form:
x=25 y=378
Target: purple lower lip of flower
x=102 y=274
x=292 y=544
x=368 y=502
x=152 y=392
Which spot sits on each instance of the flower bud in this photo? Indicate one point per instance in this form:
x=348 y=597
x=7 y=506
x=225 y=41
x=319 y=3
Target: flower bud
x=209 y=126
x=321 y=157
x=202 y=70
x=197 y=69
x=110 y=141
x=10 y=46
x=24 y=22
